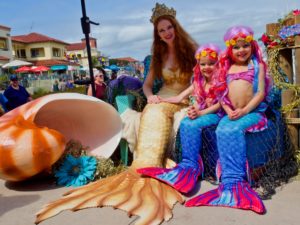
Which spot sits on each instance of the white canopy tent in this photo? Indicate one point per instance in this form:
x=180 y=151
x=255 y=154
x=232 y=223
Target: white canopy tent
x=16 y=63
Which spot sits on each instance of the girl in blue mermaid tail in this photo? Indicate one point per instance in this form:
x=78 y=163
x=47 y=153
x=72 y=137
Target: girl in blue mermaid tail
x=244 y=87
x=202 y=114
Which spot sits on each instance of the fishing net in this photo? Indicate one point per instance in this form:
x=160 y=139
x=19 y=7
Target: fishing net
x=271 y=156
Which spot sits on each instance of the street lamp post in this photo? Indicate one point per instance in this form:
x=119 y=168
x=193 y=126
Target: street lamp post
x=85 y=24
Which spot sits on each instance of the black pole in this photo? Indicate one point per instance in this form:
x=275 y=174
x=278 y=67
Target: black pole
x=85 y=24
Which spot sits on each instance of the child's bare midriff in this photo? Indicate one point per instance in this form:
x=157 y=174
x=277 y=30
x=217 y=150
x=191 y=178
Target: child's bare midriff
x=240 y=93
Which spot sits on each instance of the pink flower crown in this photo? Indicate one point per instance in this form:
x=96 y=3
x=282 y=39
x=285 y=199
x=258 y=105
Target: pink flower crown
x=207 y=52
x=240 y=37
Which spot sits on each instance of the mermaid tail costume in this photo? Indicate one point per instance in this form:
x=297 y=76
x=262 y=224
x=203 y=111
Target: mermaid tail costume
x=234 y=190
x=147 y=198
x=184 y=175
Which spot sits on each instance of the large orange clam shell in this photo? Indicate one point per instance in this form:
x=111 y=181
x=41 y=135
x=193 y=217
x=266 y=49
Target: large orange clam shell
x=33 y=136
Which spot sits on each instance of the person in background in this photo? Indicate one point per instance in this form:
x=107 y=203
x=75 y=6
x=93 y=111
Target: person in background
x=16 y=94
x=100 y=86
x=121 y=85
x=3 y=102
x=55 y=86
x=69 y=84
x=113 y=75
x=62 y=84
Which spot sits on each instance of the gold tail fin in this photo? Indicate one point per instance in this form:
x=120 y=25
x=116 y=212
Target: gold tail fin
x=147 y=198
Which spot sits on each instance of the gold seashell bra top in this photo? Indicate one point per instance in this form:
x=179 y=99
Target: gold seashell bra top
x=174 y=82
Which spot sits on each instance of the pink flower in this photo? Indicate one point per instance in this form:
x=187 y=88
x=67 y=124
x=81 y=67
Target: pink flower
x=296 y=12
x=265 y=38
x=273 y=44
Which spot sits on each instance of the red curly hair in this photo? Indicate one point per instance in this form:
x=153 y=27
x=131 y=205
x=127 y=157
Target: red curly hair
x=185 y=48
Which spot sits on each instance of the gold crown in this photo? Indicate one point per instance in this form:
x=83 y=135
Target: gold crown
x=161 y=10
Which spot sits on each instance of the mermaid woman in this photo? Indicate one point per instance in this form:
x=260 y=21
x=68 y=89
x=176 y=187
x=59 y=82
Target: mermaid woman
x=173 y=60
x=206 y=112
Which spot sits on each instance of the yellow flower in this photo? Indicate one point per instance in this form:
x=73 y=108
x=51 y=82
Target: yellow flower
x=198 y=56
x=213 y=54
x=232 y=42
x=249 y=38
x=227 y=43
x=204 y=53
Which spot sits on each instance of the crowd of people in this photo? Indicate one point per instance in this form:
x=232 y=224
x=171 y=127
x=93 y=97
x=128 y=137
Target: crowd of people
x=105 y=89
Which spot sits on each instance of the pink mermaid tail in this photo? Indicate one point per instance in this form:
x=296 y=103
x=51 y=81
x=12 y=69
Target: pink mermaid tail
x=182 y=177
x=238 y=195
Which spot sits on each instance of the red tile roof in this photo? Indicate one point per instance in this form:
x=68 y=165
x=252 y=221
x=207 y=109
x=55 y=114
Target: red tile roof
x=52 y=62
x=3 y=58
x=35 y=38
x=4 y=27
x=76 y=46
x=128 y=59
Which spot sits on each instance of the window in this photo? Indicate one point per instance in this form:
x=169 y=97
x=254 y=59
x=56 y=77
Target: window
x=37 y=52
x=56 y=52
x=3 y=44
x=21 y=53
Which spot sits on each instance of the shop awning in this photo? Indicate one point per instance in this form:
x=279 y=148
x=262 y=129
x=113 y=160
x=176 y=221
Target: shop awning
x=59 y=67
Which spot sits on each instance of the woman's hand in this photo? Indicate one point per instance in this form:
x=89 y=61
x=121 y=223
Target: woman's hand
x=154 y=99
x=193 y=112
x=175 y=99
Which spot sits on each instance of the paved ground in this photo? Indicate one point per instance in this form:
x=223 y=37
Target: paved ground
x=19 y=202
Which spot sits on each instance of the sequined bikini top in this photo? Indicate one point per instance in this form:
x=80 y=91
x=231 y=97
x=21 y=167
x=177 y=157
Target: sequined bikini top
x=172 y=76
x=247 y=75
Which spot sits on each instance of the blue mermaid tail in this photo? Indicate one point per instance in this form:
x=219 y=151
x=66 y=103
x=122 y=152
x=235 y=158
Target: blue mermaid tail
x=183 y=176
x=234 y=190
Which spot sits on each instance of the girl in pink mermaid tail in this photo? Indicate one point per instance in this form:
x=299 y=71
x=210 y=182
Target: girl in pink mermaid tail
x=243 y=74
x=204 y=113
x=173 y=61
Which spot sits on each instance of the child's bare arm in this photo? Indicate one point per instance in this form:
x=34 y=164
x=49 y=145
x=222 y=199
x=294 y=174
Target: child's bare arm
x=212 y=109
x=260 y=95
x=227 y=109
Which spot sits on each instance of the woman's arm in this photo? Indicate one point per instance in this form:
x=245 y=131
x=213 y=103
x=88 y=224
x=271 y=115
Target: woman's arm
x=181 y=96
x=89 y=92
x=147 y=89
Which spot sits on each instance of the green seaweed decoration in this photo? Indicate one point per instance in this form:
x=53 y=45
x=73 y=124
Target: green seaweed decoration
x=280 y=82
x=273 y=46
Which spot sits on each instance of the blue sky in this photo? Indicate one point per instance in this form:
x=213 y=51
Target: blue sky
x=125 y=29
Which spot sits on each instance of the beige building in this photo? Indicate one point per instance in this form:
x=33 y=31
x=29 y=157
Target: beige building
x=5 y=45
x=41 y=50
x=77 y=52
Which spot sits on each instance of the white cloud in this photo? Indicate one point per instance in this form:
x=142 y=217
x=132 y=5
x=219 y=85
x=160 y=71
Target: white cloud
x=125 y=29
